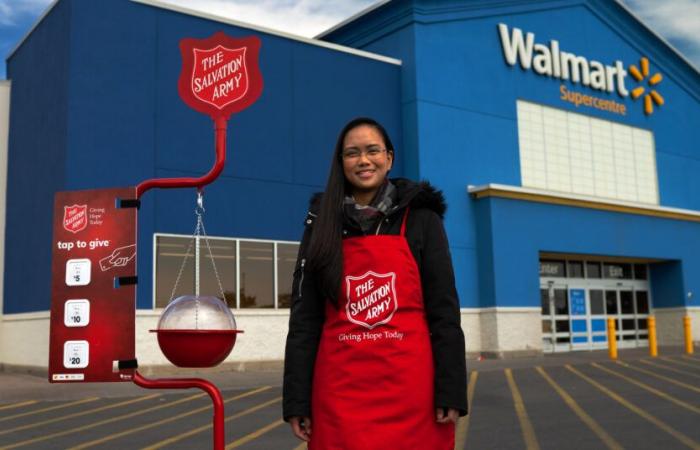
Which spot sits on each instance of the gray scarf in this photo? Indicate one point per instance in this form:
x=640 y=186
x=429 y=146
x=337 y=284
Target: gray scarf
x=367 y=216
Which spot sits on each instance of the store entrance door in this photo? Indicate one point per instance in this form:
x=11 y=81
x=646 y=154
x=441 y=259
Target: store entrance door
x=575 y=308
x=567 y=322
x=628 y=305
x=556 y=330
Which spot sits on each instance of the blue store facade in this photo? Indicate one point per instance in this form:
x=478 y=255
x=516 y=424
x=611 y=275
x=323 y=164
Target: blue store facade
x=562 y=133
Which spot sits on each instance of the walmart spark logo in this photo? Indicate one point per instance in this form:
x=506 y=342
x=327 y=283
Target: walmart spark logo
x=653 y=96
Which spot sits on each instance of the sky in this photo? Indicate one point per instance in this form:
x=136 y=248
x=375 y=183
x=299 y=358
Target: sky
x=678 y=21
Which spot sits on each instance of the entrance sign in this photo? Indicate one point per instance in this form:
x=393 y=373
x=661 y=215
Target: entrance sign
x=220 y=75
x=577 y=300
x=92 y=309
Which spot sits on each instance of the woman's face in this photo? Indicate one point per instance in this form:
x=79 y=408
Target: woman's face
x=366 y=160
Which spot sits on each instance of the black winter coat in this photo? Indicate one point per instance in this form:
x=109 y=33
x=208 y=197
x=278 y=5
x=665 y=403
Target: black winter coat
x=428 y=243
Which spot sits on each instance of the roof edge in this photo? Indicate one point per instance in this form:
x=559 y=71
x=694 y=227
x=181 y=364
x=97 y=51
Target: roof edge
x=658 y=36
x=619 y=3
x=494 y=189
x=352 y=18
x=31 y=30
x=310 y=41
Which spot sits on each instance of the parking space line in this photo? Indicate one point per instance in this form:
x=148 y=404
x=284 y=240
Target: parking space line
x=660 y=377
x=50 y=408
x=603 y=435
x=179 y=437
x=525 y=424
x=637 y=410
x=301 y=446
x=93 y=424
x=113 y=436
x=78 y=414
x=695 y=360
x=128 y=416
x=672 y=369
x=648 y=388
x=680 y=363
x=463 y=422
x=254 y=435
x=17 y=405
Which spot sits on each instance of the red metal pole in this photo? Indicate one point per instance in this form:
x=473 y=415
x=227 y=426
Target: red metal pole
x=220 y=131
x=189 y=383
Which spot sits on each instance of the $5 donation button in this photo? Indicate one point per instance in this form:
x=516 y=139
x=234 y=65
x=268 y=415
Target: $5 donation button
x=78 y=272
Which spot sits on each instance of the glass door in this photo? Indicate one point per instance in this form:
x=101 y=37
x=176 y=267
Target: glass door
x=547 y=321
x=641 y=314
x=599 y=327
x=612 y=310
x=556 y=329
x=627 y=337
x=580 y=323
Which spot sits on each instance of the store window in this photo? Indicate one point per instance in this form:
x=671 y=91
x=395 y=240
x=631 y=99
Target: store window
x=224 y=256
x=574 y=153
x=575 y=269
x=253 y=273
x=257 y=275
x=640 y=271
x=552 y=268
x=171 y=254
x=286 y=260
x=617 y=271
x=593 y=270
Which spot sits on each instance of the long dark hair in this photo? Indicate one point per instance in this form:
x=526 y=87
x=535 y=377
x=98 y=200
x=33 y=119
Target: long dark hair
x=325 y=255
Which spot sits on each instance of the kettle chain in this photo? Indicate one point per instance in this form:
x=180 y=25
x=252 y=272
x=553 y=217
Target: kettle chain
x=199 y=232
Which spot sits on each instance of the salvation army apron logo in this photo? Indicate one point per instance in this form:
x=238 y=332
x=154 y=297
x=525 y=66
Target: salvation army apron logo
x=75 y=218
x=219 y=75
x=371 y=298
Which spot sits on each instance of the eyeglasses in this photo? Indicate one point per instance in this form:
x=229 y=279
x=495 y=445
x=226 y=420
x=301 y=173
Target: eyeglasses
x=373 y=152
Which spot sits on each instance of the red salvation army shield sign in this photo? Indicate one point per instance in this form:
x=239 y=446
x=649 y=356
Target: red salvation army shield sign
x=220 y=75
x=371 y=298
x=75 y=218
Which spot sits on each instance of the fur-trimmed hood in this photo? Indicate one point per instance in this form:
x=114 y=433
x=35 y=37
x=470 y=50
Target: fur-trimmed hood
x=420 y=195
x=416 y=195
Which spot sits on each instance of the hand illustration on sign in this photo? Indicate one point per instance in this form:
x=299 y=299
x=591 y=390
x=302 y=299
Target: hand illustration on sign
x=120 y=257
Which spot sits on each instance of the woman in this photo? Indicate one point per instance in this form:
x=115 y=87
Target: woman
x=374 y=321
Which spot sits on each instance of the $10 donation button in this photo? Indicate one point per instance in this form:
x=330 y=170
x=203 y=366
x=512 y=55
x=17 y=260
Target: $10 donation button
x=76 y=313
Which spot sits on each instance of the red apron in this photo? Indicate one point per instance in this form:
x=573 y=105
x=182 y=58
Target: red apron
x=373 y=379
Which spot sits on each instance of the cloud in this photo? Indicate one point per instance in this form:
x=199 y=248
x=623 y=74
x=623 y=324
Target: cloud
x=678 y=21
x=13 y=10
x=301 y=17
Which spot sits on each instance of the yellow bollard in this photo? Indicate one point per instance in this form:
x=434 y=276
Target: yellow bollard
x=651 y=324
x=688 y=335
x=612 y=339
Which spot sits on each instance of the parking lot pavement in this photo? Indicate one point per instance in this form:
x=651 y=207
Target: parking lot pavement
x=573 y=400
